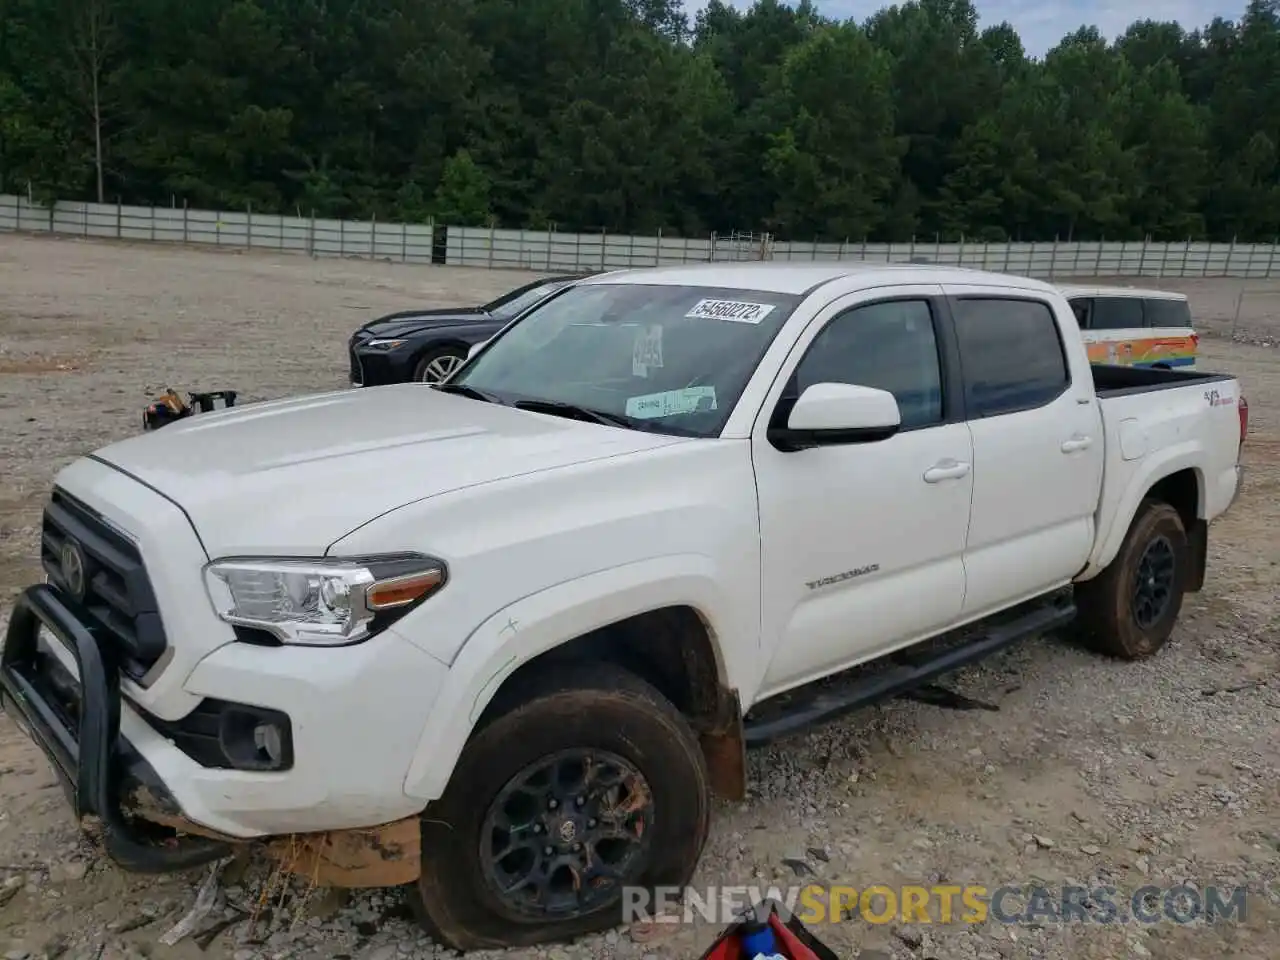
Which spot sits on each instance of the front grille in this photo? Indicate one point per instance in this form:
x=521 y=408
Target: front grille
x=117 y=600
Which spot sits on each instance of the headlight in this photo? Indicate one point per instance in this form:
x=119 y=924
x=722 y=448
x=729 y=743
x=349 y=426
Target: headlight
x=384 y=344
x=320 y=602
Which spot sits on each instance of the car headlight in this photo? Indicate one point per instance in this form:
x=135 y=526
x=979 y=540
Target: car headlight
x=320 y=602
x=384 y=344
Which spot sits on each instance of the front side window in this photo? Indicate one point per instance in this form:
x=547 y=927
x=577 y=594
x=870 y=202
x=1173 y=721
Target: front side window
x=1011 y=355
x=890 y=346
x=1082 y=307
x=1116 y=313
x=660 y=357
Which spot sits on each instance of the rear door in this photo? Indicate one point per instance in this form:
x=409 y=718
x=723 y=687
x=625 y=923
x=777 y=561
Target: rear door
x=1037 y=447
x=1170 y=339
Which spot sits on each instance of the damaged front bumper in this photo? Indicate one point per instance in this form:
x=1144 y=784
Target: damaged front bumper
x=74 y=717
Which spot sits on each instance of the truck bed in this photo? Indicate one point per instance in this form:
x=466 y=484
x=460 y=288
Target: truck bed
x=1119 y=381
x=1151 y=429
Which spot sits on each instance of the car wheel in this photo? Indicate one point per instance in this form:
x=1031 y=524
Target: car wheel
x=1129 y=610
x=438 y=365
x=590 y=783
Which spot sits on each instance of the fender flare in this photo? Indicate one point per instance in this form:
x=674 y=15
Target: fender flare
x=1168 y=462
x=531 y=626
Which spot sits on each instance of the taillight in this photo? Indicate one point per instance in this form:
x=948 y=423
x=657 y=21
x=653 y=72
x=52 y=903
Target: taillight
x=1243 y=408
x=1195 y=341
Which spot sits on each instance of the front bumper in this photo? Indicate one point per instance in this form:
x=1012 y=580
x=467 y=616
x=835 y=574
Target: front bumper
x=77 y=725
x=376 y=368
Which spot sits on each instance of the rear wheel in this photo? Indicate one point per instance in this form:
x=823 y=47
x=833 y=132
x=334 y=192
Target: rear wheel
x=592 y=782
x=1129 y=610
x=438 y=365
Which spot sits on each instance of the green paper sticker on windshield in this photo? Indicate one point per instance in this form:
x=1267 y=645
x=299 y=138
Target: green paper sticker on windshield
x=672 y=403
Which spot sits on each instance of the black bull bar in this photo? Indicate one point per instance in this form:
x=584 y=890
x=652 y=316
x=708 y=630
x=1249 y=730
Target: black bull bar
x=77 y=725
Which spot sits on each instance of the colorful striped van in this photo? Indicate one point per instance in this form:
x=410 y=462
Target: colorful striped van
x=1132 y=327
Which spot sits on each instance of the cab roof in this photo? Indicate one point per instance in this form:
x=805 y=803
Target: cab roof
x=803 y=278
x=1071 y=290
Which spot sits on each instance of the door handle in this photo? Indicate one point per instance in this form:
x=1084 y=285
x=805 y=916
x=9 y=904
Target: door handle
x=1077 y=443
x=946 y=470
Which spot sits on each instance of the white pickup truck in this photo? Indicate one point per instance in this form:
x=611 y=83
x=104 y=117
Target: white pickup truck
x=501 y=640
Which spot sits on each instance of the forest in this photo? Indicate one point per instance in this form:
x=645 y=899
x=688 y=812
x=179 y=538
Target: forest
x=632 y=116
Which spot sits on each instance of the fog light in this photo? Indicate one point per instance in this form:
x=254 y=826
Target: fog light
x=255 y=738
x=269 y=740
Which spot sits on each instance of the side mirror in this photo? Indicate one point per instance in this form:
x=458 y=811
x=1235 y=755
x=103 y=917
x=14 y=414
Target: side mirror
x=827 y=414
x=476 y=348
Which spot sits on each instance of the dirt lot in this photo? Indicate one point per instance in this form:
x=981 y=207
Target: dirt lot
x=1090 y=773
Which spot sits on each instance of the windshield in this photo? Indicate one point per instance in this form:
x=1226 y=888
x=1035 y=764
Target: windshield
x=511 y=304
x=672 y=359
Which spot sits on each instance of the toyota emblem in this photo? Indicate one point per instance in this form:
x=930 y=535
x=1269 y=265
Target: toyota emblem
x=568 y=831
x=73 y=575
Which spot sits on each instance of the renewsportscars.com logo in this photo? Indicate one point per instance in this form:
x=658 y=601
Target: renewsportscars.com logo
x=944 y=904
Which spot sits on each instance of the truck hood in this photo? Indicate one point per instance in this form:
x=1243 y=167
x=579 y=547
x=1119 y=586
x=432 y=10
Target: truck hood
x=292 y=477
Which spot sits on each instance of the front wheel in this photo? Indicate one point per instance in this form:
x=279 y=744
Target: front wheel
x=439 y=365
x=1129 y=610
x=593 y=782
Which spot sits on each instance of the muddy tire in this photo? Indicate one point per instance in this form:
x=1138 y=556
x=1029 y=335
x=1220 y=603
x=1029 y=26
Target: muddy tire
x=1129 y=610
x=591 y=781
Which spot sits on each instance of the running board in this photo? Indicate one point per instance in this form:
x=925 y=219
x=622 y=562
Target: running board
x=835 y=700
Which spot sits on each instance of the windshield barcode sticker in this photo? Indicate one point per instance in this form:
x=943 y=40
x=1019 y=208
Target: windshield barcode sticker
x=735 y=311
x=647 y=352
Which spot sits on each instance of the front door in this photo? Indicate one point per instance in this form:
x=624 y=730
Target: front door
x=862 y=544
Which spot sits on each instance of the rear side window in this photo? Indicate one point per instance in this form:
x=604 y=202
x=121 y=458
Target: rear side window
x=1011 y=355
x=1116 y=313
x=1168 y=313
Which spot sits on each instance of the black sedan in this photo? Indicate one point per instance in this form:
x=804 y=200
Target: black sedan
x=429 y=345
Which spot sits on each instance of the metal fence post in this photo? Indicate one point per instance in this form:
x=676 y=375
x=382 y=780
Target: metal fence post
x=1231 y=250
x=119 y=215
x=311 y=234
x=604 y=238
x=342 y=238
x=657 y=250
x=373 y=238
x=1271 y=259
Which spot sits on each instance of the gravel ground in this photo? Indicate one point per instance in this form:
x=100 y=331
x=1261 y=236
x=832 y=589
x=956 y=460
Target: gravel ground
x=1090 y=772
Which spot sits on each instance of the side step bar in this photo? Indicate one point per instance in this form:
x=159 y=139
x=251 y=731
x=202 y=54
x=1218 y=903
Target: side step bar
x=834 y=701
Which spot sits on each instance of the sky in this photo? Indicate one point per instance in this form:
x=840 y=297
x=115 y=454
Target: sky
x=1042 y=23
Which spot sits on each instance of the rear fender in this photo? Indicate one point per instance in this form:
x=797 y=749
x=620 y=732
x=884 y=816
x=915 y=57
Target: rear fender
x=1152 y=469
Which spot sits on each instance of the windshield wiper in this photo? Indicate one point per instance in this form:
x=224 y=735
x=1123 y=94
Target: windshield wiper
x=464 y=391
x=582 y=413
